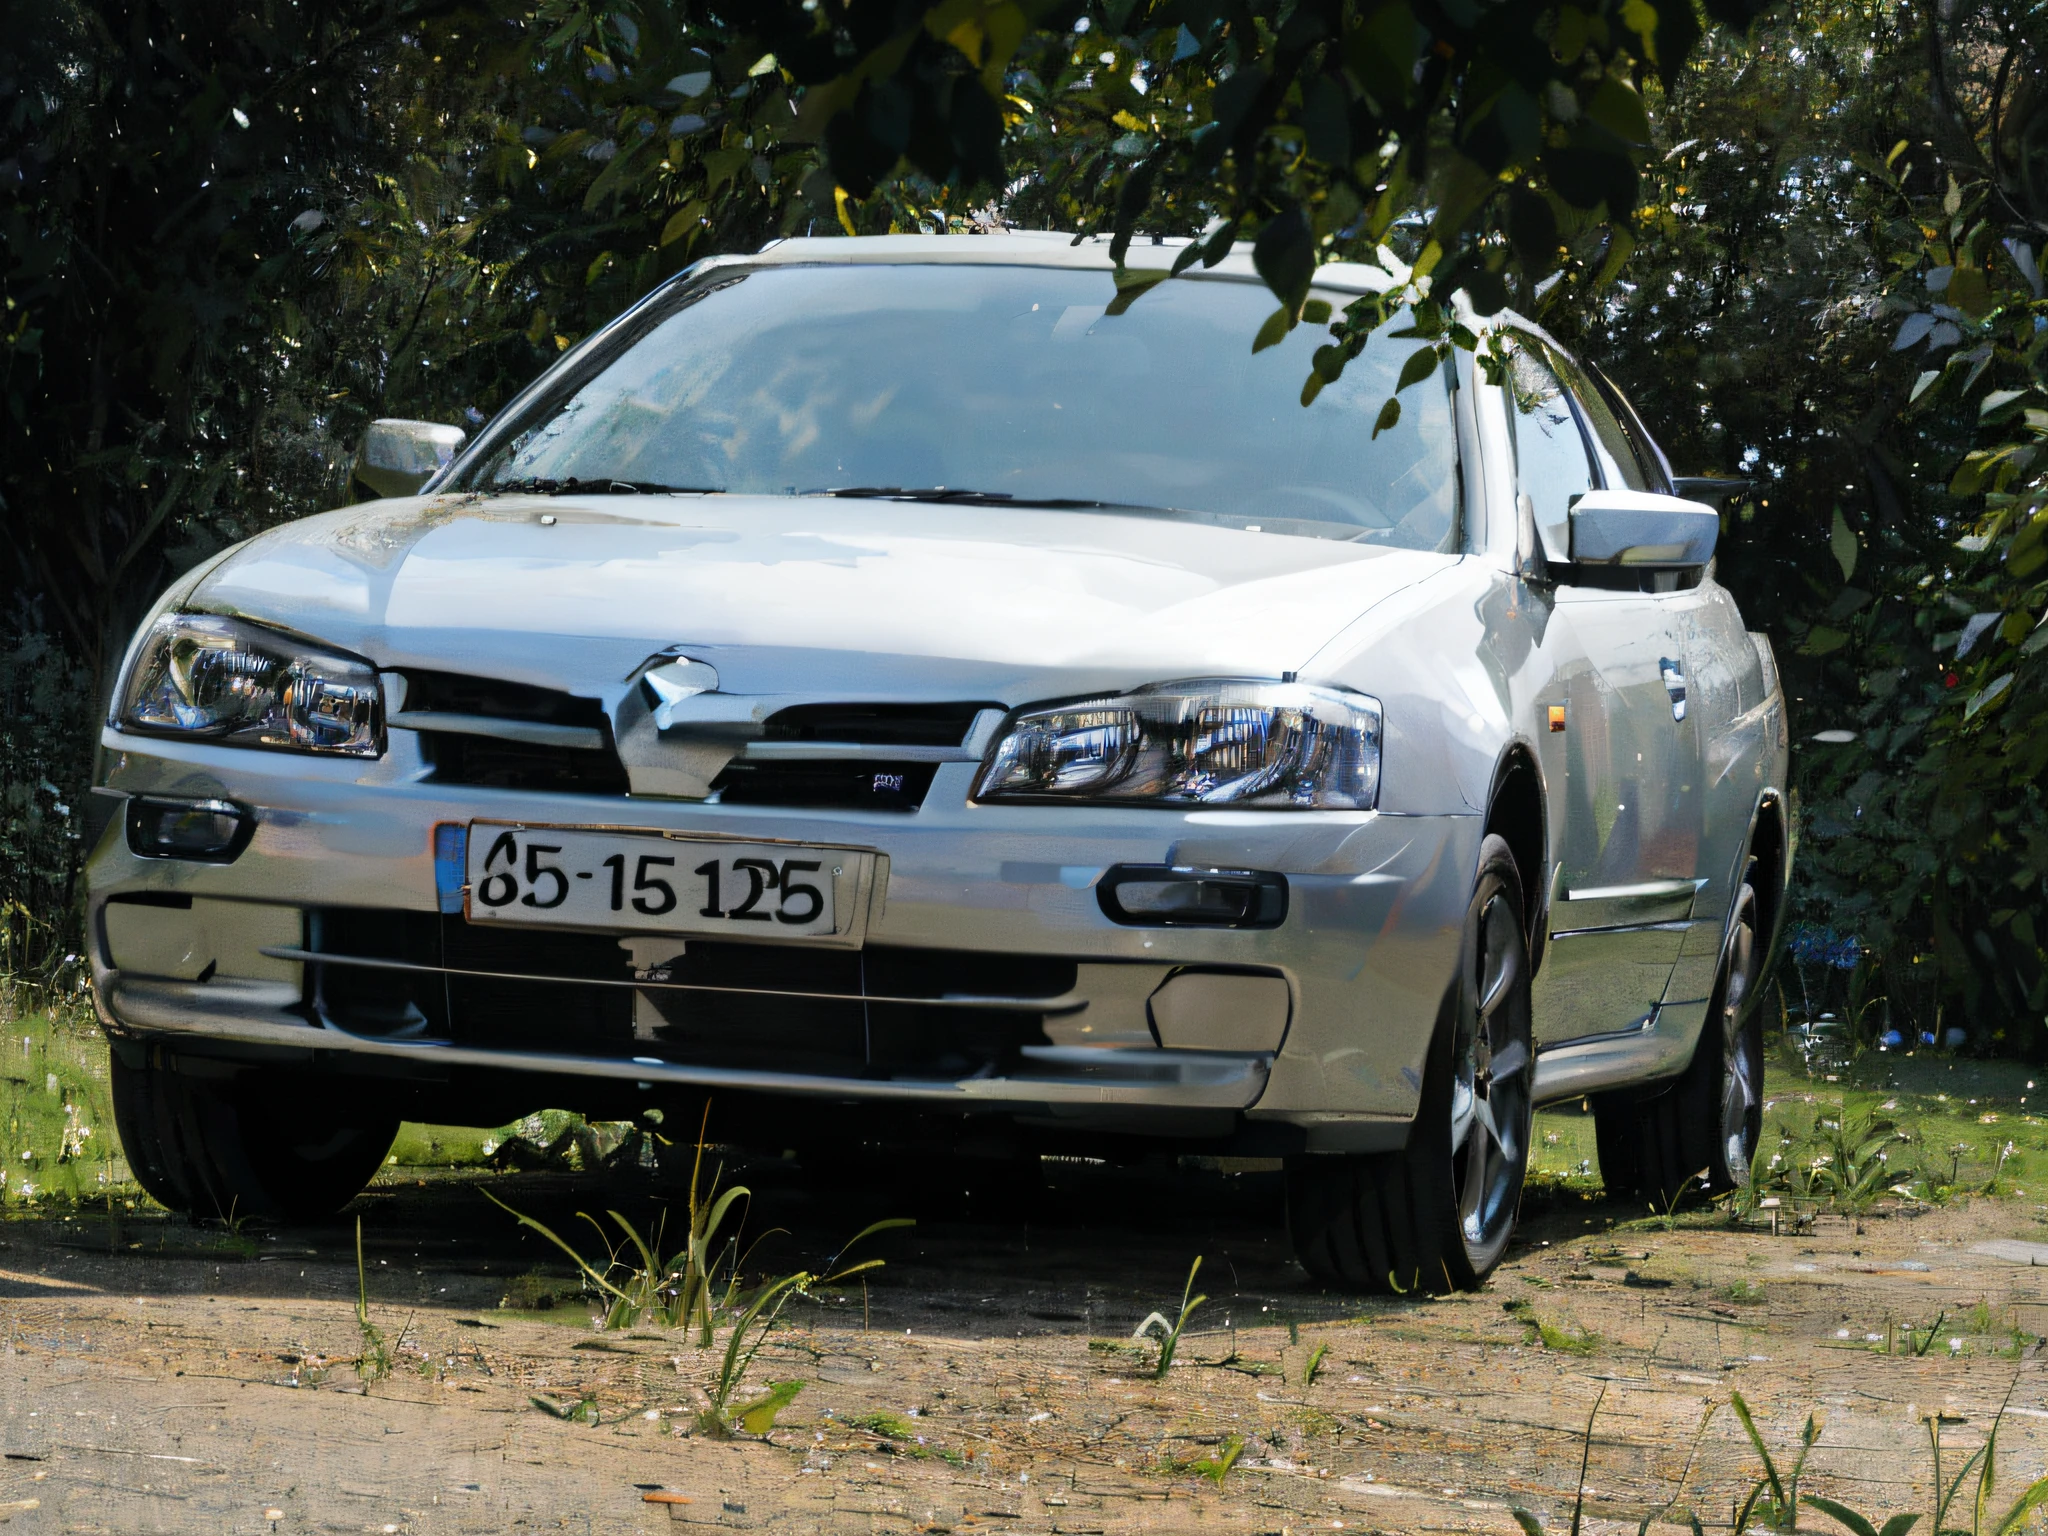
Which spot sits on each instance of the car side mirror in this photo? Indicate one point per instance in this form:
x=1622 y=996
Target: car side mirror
x=398 y=457
x=1641 y=530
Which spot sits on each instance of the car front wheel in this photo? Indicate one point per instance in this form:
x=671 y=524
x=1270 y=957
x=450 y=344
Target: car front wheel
x=220 y=1143
x=1438 y=1214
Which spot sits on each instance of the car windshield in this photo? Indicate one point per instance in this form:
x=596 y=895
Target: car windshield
x=975 y=384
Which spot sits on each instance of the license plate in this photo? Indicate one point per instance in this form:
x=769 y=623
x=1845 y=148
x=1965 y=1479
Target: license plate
x=587 y=878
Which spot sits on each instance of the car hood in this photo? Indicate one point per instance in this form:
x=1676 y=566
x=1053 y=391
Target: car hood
x=797 y=594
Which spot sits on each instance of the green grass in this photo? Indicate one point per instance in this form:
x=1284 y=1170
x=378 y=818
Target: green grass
x=445 y=1146
x=889 y=1426
x=1939 y=1102
x=55 y=1107
x=57 y=1140
x=1960 y=1116
x=1561 y=1338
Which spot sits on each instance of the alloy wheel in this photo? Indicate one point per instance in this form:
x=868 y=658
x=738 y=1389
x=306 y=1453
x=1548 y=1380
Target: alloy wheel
x=1741 y=1050
x=1490 y=1089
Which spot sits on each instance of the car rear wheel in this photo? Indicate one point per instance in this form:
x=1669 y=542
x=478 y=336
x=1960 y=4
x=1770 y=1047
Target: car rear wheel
x=1700 y=1133
x=1438 y=1214
x=222 y=1143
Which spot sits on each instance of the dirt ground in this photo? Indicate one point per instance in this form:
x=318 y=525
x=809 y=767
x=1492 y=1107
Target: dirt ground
x=161 y=1378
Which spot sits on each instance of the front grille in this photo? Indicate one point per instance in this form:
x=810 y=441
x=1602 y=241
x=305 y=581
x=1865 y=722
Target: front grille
x=492 y=762
x=876 y=725
x=847 y=1033
x=849 y=783
x=456 y=694
x=826 y=786
x=496 y=762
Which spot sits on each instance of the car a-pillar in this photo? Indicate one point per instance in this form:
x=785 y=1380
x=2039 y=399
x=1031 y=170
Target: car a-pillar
x=1697 y=1134
x=1437 y=1214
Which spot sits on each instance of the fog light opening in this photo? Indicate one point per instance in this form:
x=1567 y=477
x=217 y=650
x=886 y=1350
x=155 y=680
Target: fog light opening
x=208 y=831
x=1176 y=896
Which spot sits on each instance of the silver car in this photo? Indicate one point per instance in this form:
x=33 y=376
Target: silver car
x=918 y=695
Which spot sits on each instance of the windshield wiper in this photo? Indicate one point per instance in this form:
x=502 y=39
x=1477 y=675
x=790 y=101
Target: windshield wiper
x=602 y=486
x=915 y=493
x=968 y=498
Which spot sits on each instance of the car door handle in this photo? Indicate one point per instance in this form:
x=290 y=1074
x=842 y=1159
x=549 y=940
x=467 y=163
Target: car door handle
x=1674 y=684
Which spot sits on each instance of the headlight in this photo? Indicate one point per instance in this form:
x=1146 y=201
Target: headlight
x=1284 y=745
x=217 y=679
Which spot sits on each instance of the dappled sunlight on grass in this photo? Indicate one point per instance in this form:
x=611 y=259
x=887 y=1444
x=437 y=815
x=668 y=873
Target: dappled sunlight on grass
x=57 y=1139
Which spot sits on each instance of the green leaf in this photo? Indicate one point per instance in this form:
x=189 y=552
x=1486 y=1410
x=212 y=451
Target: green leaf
x=1285 y=256
x=758 y=1416
x=1132 y=285
x=1842 y=541
x=887 y=1224
x=1843 y=1514
x=1640 y=17
x=682 y=222
x=1618 y=109
x=1420 y=365
x=1316 y=312
x=1530 y=1525
x=1277 y=325
x=1986 y=695
x=1390 y=417
x=1820 y=640
x=1381 y=51
x=1763 y=1452
x=721 y=165
x=1217 y=1467
x=2028 y=1502
x=1325 y=119
x=1969 y=291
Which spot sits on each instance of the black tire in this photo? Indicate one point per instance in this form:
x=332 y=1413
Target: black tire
x=1438 y=1215
x=218 y=1143
x=1699 y=1135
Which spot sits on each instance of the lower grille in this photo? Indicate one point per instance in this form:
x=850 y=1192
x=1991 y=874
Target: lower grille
x=826 y=786
x=860 y=1036
x=875 y=1013
x=468 y=1010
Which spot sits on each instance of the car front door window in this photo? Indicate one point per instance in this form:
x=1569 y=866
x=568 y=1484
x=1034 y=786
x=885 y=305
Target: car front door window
x=1553 y=468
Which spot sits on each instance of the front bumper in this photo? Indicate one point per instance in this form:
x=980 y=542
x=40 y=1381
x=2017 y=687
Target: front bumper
x=1326 y=1031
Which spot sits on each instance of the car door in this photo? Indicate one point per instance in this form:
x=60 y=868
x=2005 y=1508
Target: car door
x=1622 y=763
